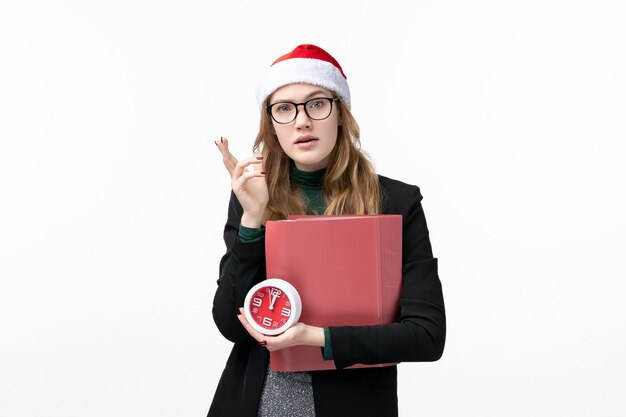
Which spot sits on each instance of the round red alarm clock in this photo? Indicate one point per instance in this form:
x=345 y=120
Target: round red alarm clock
x=272 y=306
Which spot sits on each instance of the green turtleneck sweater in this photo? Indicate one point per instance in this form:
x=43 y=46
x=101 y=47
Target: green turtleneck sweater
x=311 y=185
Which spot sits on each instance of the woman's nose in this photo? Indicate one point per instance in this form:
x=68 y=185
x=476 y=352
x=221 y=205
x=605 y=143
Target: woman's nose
x=302 y=118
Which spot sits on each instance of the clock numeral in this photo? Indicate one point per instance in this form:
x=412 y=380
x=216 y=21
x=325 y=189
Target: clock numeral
x=285 y=312
x=267 y=321
x=275 y=292
x=257 y=302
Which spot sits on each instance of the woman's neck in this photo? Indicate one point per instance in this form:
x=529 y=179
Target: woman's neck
x=307 y=179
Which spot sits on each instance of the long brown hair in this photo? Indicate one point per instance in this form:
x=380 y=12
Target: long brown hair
x=350 y=184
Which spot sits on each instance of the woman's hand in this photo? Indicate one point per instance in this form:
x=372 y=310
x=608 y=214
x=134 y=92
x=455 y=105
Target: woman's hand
x=250 y=187
x=298 y=334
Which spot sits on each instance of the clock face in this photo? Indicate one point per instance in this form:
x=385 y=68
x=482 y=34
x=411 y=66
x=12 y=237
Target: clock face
x=272 y=306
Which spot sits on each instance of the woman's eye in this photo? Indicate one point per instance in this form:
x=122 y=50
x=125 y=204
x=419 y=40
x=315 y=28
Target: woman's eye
x=316 y=104
x=283 y=108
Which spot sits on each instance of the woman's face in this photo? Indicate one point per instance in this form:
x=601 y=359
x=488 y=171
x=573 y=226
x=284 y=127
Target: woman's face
x=306 y=141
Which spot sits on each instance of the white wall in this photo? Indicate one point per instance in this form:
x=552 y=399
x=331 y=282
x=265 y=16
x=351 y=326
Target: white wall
x=508 y=115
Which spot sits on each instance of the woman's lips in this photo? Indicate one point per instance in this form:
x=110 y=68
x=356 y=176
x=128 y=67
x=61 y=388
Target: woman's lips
x=305 y=138
x=306 y=141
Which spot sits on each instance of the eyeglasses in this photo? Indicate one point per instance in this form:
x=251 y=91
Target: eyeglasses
x=318 y=108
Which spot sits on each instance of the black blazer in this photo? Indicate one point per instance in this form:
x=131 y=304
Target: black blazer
x=418 y=335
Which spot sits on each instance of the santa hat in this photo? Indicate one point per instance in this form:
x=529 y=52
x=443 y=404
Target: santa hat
x=307 y=64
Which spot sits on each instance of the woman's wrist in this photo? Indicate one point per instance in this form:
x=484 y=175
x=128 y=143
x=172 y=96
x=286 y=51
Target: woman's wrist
x=314 y=336
x=251 y=221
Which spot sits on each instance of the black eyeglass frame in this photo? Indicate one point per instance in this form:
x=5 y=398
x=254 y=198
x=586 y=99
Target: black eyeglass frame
x=331 y=100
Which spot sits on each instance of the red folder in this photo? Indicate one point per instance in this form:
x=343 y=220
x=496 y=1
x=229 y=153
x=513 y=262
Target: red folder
x=347 y=270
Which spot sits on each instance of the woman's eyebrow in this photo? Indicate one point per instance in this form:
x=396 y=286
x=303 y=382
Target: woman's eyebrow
x=308 y=96
x=314 y=93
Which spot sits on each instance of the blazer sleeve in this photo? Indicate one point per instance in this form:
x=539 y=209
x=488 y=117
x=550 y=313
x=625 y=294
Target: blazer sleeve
x=419 y=333
x=241 y=267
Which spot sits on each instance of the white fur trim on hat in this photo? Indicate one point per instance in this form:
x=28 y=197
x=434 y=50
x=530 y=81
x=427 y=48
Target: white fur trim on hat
x=302 y=70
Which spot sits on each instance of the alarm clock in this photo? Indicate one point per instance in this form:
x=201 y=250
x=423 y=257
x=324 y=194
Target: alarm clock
x=272 y=306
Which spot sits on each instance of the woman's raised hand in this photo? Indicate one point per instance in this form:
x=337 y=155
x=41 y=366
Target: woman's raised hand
x=249 y=186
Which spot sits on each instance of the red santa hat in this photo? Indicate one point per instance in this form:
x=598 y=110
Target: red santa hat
x=307 y=64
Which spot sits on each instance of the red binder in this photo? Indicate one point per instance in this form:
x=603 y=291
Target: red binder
x=347 y=270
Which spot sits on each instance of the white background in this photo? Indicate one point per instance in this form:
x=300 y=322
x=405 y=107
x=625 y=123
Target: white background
x=510 y=116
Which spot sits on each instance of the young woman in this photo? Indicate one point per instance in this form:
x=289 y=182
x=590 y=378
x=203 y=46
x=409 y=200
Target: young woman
x=309 y=162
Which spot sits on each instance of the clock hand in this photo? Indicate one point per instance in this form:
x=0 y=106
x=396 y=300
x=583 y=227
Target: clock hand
x=274 y=296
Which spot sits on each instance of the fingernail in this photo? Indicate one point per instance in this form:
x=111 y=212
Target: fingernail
x=263 y=343
x=259 y=157
x=222 y=139
x=215 y=142
x=263 y=172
